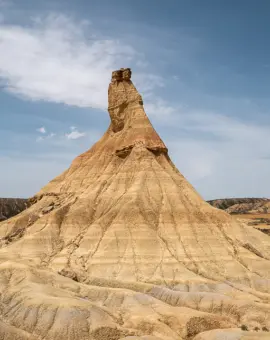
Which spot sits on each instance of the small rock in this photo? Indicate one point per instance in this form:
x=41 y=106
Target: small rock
x=47 y=209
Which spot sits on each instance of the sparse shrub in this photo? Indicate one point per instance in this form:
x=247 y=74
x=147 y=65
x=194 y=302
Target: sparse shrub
x=231 y=311
x=265 y=329
x=198 y=324
x=197 y=300
x=256 y=329
x=108 y=333
x=244 y=328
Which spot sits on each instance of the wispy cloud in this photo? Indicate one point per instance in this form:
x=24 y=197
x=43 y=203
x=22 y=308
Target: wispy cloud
x=74 y=134
x=160 y=108
x=63 y=61
x=41 y=130
x=53 y=156
x=220 y=154
x=48 y=136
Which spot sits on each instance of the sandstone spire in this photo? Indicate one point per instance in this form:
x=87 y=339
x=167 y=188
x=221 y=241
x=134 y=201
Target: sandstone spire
x=128 y=117
x=121 y=244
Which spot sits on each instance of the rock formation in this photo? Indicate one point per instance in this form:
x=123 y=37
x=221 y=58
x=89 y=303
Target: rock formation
x=122 y=245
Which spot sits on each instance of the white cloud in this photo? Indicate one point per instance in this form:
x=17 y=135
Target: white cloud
x=75 y=134
x=160 y=108
x=41 y=130
x=59 y=60
x=222 y=156
x=42 y=138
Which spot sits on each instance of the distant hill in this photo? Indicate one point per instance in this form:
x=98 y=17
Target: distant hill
x=243 y=205
x=12 y=206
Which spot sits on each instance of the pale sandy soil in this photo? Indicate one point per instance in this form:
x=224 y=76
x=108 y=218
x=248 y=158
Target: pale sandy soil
x=247 y=218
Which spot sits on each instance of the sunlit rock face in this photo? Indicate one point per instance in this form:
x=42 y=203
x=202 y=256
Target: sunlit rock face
x=122 y=245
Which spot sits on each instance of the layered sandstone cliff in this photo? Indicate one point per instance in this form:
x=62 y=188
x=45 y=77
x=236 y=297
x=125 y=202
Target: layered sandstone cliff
x=121 y=244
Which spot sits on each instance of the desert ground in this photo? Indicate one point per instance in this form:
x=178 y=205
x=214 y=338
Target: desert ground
x=258 y=221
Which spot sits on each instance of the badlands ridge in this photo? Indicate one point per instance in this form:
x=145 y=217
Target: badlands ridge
x=120 y=245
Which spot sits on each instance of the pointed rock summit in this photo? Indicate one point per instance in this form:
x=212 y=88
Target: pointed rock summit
x=120 y=245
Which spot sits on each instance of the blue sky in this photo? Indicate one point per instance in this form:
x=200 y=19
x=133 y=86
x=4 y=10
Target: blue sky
x=203 y=68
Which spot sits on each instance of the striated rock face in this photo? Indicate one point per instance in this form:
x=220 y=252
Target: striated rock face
x=128 y=118
x=12 y=206
x=122 y=245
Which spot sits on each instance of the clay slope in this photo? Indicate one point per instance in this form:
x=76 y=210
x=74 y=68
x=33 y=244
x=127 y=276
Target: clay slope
x=122 y=245
x=243 y=205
